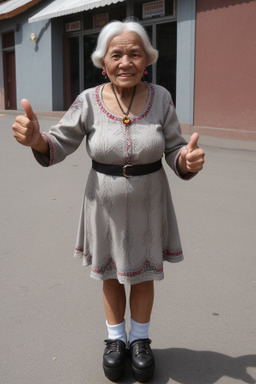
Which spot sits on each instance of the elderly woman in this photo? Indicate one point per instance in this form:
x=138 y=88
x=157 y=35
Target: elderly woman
x=127 y=225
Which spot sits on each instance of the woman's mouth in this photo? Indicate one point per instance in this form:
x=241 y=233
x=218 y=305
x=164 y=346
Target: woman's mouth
x=125 y=75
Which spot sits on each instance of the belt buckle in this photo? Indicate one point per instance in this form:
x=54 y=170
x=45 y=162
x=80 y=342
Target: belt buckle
x=124 y=170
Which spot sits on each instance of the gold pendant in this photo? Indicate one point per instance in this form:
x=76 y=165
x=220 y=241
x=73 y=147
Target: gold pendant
x=126 y=120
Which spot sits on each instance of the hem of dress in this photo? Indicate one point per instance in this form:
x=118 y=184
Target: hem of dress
x=136 y=278
x=128 y=280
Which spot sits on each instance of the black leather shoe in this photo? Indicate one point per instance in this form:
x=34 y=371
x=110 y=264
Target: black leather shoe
x=114 y=359
x=143 y=362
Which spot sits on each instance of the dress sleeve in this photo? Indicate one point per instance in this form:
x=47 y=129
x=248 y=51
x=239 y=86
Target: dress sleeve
x=65 y=137
x=174 y=141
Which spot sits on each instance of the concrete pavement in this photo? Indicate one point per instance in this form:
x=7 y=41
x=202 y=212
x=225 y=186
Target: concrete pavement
x=52 y=320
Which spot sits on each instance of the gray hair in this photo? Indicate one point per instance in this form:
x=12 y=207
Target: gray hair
x=115 y=28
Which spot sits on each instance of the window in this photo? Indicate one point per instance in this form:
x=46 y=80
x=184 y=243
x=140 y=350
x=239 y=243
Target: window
x=8 y=39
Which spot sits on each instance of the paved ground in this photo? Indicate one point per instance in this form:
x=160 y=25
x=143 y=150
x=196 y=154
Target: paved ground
x=52 y=320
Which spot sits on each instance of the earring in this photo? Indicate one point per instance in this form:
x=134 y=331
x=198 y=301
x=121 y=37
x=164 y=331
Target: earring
x=103 y=73
x=145 y=72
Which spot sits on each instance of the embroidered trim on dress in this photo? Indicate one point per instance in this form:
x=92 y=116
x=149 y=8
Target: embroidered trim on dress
x=128 y=155
x=40 y=157
x=79 y=250
x=51 y=147
x=177 y=253
x=175 y=163
x=111 y=265
x=117 y=118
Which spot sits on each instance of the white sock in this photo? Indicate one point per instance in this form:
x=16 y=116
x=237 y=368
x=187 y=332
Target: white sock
x=138 y=331
x=117 y=331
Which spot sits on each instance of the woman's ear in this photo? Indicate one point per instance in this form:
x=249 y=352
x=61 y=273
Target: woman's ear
x=102 y=63
x=104 y=72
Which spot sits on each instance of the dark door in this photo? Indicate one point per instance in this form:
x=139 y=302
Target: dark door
x=71 y=70
x=166 y=36
x=10 y=80
x=164 y=72
x=92 y=75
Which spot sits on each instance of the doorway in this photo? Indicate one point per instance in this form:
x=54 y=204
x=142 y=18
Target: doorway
x=71 y=70
x=9 y=70
x=164 y=38
x=92 y=75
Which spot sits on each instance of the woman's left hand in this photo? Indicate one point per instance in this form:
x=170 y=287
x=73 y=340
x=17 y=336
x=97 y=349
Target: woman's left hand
x=191 y=158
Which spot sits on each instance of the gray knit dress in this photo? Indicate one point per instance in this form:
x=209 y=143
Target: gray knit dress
x=127 y=226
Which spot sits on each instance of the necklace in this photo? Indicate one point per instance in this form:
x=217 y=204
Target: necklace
x=126 y=119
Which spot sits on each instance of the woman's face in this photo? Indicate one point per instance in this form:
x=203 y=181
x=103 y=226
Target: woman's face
x=125 y=60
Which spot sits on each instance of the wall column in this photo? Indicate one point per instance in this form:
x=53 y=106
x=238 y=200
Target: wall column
x=186 y=13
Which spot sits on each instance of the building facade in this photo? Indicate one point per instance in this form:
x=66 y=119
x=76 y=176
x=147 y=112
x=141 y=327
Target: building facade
x=225 y=68
x=206 y=60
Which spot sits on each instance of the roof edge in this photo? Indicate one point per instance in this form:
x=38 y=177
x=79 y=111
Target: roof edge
x=40 y=16
x=19 y=10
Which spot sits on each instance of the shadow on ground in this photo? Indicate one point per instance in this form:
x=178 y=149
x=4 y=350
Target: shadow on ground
x=186 y=366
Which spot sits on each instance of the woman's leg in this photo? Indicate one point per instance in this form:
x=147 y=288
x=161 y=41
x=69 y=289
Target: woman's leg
x=114 y=301
x=141 y=301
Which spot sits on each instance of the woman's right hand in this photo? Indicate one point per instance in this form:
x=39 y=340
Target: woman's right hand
x=26 y=130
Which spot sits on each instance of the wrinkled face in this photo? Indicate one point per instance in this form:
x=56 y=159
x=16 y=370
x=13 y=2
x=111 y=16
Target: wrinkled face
x=125 y=60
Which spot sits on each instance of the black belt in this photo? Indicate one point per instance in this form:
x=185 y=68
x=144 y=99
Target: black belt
x=127 y=170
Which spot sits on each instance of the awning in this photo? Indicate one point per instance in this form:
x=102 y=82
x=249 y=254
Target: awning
x=66 y=7
x=12 y=8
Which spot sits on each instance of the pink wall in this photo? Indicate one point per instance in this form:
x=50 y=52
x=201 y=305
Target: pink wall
x=225 y=67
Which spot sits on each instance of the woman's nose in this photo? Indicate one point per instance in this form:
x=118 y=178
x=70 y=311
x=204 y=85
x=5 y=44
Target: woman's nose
x=125 y=60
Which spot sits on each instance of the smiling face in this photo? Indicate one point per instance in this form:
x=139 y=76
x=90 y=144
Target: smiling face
x=125 y=60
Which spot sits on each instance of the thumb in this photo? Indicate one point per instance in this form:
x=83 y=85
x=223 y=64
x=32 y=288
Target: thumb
x=28 y=110
x=193 y=142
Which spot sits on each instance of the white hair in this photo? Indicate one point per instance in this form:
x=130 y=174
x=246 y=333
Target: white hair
x=116 y=28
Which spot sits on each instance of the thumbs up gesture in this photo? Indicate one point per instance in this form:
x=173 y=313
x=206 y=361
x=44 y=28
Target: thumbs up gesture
x=26 y=129
x=191 y=157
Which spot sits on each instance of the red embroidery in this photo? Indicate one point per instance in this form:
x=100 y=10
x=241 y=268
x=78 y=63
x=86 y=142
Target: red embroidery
x=116 y=118
x=172 y=253
x=51 y=147
x=111 y=265
x=97 y=94
x=79 y=250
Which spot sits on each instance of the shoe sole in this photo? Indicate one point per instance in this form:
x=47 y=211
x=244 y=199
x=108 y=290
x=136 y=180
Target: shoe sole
x=143 y=375
x=114 y=374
